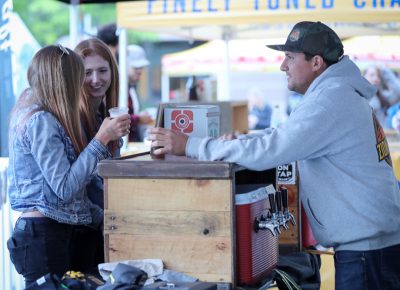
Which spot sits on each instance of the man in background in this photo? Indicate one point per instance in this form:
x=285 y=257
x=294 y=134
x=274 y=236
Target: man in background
x=108 y=34
x=136 y=62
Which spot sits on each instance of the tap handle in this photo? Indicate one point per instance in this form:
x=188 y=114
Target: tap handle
x=256 y=225
x=284 y=193
x=272 y=203
x=292 y=219
x=277 y=229
x=278 y=200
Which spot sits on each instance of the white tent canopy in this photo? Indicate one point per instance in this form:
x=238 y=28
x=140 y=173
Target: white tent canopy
x=253 y=55
x=374 y=48
x=250 y=55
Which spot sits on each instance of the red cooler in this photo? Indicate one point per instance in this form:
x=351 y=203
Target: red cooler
x=256 y=252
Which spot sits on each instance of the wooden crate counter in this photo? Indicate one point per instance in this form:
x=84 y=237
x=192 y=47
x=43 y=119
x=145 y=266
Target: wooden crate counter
x=179 y=210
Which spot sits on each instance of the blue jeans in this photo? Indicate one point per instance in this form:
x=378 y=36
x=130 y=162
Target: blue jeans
x=368 y=270
x=41 y=245
x=87 y=250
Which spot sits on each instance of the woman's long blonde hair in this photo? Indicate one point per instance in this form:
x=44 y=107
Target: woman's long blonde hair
x=55 y=76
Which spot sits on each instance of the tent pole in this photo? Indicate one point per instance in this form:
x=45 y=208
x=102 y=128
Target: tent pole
x=165 y=88
x=73 y=23
x=226 y=92
x=123 y=69
x=123 y=74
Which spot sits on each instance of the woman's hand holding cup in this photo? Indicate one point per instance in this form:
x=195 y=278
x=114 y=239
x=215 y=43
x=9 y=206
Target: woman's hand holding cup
x=114 y=127
x=118 y=111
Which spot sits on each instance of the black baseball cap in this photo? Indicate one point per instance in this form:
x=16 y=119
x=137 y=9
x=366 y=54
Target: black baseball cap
x=314 y=38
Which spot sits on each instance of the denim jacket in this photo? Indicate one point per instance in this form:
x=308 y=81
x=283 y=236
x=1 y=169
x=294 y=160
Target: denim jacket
x=44 y=172
x=95 y=189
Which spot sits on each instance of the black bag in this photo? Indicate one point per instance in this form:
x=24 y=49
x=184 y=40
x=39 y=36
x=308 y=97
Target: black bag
x=79 y=281
x=71 y=280
x=125 y=277
x=298 y=271
x=47 y=282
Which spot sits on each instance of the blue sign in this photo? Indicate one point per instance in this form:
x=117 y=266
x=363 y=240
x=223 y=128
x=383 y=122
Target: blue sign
x=6 y=87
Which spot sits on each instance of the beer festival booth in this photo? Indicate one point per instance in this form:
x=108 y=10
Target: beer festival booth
x=217 y=221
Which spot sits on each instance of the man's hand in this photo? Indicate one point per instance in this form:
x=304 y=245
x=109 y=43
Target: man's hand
x=166 y=141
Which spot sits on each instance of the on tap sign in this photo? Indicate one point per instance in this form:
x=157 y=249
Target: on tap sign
x=286 y=174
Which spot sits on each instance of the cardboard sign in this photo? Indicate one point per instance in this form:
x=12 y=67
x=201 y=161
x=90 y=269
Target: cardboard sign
x=197 y=120
x=286 y=174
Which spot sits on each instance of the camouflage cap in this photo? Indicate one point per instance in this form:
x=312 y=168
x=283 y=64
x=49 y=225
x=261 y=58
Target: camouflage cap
x=314 y=38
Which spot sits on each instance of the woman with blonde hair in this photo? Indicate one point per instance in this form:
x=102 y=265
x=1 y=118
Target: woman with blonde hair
x=50 y=165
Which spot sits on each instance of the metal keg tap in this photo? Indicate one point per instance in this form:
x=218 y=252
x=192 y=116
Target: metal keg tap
x=288 y=215
x=282 y=221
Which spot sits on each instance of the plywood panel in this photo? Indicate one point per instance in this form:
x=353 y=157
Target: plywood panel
x=136 y=222
x=291 y=235
x=200 y=256
x=293 y=195
x=291 y=238
x=168 y=194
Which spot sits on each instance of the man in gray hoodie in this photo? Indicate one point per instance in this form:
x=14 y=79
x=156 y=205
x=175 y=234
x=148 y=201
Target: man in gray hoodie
x=347 y=184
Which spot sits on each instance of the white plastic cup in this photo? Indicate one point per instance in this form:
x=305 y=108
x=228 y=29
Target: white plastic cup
x=118 y=111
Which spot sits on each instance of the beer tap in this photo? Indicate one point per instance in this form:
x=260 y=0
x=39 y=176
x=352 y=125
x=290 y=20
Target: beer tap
x=288 y=215
x=264 y=223
x=274 y=216
x=282 y=221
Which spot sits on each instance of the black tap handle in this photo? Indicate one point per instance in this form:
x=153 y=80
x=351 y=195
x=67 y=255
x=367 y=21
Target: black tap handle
x=278 y=199
x=272 y=203
x=284 y=193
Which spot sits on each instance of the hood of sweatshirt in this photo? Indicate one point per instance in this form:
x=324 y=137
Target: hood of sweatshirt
x=344 y=72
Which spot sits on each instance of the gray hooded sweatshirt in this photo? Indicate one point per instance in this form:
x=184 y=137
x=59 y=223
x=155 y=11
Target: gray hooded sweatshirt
x=347 y=183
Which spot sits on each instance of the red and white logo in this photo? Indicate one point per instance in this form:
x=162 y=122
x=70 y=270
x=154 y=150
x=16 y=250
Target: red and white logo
x=295 y=35
x=182 y=121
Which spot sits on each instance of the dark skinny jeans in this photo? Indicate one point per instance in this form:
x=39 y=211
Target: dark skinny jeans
x=41 y=245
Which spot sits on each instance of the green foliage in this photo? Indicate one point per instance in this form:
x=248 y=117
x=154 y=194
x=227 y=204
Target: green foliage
x=101 y=13
x=48 y=20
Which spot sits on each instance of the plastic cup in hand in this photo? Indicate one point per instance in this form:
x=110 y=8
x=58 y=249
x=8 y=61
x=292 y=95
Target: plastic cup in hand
x=118 y=111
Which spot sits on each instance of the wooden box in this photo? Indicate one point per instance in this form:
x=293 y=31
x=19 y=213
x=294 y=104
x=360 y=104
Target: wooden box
x=178 y=209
